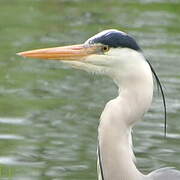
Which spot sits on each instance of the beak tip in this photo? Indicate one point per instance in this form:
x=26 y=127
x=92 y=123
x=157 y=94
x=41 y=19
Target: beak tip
x=22 y=54
x=19 y=54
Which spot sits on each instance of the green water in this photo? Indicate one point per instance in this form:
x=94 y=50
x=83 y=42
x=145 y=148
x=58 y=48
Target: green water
x=49 y=112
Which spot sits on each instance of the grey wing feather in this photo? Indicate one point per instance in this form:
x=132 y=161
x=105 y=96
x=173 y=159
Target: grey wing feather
x=165 y=174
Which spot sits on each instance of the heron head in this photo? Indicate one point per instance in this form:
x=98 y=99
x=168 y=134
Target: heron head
x=105 y=52
x=110 y=52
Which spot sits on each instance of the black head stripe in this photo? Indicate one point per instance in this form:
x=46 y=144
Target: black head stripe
x=116 y=39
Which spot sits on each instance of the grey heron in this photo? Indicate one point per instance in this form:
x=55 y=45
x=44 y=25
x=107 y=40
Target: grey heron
x=117 y=55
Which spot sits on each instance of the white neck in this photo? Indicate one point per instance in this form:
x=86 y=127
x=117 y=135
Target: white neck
x=117 y=119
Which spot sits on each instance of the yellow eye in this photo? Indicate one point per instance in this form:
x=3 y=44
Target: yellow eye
x=105 y=48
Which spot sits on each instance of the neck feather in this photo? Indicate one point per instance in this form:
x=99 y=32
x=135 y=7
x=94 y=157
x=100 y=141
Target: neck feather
x=117 y=120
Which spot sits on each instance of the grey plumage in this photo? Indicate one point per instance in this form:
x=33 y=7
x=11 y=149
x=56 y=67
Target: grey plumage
x=165 y=174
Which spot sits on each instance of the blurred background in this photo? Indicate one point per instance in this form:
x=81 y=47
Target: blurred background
x=49 y=112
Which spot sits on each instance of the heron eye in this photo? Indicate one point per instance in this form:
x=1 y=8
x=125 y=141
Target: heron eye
x=105 y=48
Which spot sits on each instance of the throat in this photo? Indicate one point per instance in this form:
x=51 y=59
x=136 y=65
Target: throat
x=115 y=140
x=135 y=82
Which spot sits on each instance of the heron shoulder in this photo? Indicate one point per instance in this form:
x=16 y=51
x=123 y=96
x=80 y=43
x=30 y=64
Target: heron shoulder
x=167 y=173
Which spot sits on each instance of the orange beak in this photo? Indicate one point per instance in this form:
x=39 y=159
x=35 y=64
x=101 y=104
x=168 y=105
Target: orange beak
x=71 y=53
